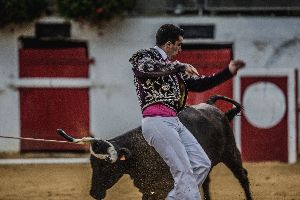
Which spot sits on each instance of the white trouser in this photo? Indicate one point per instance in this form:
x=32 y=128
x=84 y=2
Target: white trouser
x=189 y=164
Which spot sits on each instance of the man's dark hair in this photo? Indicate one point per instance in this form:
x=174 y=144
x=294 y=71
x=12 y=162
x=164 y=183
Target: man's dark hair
x=168 y=32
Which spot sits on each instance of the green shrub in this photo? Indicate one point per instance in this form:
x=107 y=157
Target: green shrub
x=94 y=10
x=18 y=11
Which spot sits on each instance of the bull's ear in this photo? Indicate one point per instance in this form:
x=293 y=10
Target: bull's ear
x=124 y=154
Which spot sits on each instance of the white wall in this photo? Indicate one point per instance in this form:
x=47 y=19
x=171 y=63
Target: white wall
x=260 y=41
x=9 y=97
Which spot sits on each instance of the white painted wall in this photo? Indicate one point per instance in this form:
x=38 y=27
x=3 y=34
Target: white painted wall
x=9 y=97
x=260 y=41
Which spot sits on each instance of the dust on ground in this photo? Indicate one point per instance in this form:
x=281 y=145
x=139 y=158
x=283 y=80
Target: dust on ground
x=269 y=181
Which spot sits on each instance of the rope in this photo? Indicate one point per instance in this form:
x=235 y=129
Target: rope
x=36 y=139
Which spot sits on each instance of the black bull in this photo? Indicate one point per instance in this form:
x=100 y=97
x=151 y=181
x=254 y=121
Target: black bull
x=149 y=172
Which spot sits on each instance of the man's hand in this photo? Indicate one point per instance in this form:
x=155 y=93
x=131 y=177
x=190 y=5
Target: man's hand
x=190 y=70
x=235 y=65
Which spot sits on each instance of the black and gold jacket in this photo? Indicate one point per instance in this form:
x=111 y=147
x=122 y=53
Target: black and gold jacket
x=159 y=81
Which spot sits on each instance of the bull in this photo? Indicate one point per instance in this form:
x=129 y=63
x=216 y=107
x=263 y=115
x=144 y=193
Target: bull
x=130 y=154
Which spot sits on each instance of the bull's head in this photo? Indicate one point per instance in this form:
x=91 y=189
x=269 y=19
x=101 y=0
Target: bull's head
x=107 y=162
x=101 y=149
x=105 y=172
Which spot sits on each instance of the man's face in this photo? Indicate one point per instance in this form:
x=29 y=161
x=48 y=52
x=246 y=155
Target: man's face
x=173 y=49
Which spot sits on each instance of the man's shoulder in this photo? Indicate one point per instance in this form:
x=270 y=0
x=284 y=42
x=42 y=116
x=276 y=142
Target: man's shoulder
x=147 y=51
x=150 y=52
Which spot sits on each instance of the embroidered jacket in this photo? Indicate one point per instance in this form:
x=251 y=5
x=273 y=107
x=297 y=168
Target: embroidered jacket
x=159 y=81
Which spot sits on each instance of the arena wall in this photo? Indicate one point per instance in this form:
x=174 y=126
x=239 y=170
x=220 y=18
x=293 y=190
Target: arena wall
x=263 y=42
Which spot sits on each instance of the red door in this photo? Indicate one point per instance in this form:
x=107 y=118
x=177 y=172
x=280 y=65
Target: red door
x=43 y=109
x=268 y=128
x=207 y=62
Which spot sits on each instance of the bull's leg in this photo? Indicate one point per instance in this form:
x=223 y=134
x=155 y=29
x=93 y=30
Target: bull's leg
x=234 y=163
x=205 y=187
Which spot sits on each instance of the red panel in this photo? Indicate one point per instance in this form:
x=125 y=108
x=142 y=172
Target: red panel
x=53 y=62
x=202 y=58
x=208 y=62
x=44 y=110
x=264 y=144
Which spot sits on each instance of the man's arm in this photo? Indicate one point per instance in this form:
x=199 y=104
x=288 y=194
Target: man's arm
x=201 y=83
x=145 y=66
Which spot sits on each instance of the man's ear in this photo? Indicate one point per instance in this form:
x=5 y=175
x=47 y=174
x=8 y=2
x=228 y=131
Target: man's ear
x=124 y=154
x=168 y=43
x=167 y=46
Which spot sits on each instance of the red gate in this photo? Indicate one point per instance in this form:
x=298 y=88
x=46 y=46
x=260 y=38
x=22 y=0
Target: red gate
x=207 y=62
x=53 y=94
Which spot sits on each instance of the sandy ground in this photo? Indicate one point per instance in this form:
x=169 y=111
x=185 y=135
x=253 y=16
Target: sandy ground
x=269 y=181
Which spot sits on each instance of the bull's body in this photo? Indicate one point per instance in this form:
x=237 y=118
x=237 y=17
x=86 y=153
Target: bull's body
x=149 y=172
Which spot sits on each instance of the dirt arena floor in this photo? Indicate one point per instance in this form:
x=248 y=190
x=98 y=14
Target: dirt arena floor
x=269 y=181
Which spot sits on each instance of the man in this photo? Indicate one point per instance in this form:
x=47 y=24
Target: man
x=162 y=87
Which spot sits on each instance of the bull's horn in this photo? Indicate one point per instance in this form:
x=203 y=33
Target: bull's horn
x=112 y=155
x=84 y=140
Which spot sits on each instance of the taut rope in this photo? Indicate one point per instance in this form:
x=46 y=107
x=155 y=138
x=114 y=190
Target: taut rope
x=36 y=139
